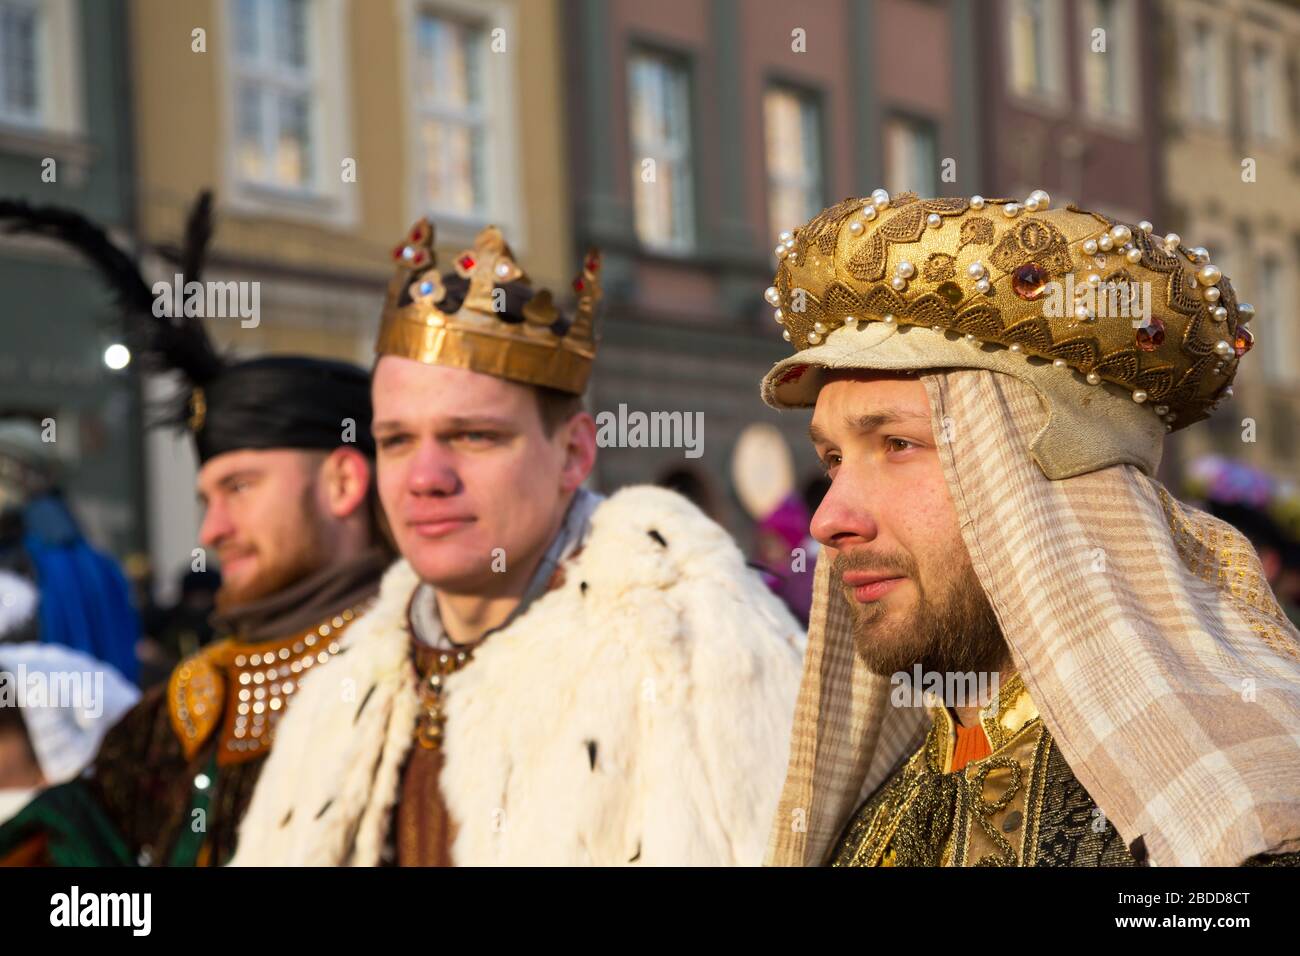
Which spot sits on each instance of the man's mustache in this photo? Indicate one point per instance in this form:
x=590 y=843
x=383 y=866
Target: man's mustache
x=896 y=564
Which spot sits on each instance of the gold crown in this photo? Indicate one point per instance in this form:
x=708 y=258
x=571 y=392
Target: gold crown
x=1106 y=299
x=486 y=316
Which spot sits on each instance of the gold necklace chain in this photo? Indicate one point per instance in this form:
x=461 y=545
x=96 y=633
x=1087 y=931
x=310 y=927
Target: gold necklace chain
x=431 y=724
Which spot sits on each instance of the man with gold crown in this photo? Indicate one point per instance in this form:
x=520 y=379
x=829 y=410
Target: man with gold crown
x=992 y=381
x=548 y=677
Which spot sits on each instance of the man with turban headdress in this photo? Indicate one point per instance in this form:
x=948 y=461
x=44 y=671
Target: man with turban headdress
x=992 y=381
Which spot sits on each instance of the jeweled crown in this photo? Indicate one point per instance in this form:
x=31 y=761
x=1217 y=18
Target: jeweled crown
x=1108 y=300
x=486 y=316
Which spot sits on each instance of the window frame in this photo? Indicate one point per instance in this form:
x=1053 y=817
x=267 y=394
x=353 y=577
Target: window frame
x=326 y=199
x=1189 y=64
x=814 y=98
x=1054 y=96
x=1282 y=338
x=1276 y=136
x=60 y=109
x=910 y=119
x=501 y=142
x=1127 y=73
x=684 y=62
x=273 y=80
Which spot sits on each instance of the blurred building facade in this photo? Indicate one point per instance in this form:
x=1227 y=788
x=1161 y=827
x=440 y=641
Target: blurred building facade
x=1064 y=103
x=65 y=139
x=1230 y=86
x=701 y=130
x=680 y=137
x=1156 y=110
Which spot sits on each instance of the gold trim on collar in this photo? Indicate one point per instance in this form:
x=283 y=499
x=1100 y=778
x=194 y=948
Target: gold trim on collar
x=1004 y=717
x=194 y=695
x=242 y=688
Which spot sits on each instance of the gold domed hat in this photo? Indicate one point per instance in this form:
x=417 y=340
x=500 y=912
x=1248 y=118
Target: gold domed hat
x=486 y=316
x=1125 y=334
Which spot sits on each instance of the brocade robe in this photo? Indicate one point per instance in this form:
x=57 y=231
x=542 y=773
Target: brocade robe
x=1020 y=805
x=173 y=777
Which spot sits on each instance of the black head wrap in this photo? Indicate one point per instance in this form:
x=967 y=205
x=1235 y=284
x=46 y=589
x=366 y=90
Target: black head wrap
x=282 y=401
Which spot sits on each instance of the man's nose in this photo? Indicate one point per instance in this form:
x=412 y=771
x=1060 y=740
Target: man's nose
x=845 y=516
x=216 y=526
x=433 y=471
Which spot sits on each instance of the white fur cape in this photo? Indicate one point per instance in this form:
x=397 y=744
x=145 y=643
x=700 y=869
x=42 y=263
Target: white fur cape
x=638 y=713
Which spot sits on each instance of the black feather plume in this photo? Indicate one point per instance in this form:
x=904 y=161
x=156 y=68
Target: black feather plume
x=198 y=230
x=180 y=343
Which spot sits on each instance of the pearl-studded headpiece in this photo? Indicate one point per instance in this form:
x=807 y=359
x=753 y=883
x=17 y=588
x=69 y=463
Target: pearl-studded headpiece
x=1103 y=299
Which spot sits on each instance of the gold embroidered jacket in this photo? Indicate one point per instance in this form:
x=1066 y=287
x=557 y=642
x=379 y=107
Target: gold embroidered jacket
x=1018 y=806
x=173 y=777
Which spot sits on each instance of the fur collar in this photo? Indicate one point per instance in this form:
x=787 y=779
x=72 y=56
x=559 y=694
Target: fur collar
x=638 y=713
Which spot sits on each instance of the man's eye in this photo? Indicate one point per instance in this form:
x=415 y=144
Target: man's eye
x=829 y=461
x=899 y=444
x=476 y=438
x=391 y=441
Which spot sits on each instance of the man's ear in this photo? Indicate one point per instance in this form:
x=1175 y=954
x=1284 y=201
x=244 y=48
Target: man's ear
x=579 y=436
x=345 y=479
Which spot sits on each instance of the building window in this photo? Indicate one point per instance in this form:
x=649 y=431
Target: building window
x=1263 y=86
x=1034 y=48
x=1204 y=73
x=661 y=152
x=1275 y=350
x=1110 y=74
x=792 y=128
x=911 y=156
x=464 y=160
x=20 y=61
x=40 y=69
x=452 y=116
x=275 y=118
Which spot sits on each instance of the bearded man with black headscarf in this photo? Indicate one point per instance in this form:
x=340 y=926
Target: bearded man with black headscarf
x=286 y=463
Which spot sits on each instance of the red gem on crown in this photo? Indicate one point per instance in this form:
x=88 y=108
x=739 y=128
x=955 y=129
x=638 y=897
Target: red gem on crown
x=579 y=285
x=1030 y=281
x=1243 y=342
x=1151 y=336
x=466 y=262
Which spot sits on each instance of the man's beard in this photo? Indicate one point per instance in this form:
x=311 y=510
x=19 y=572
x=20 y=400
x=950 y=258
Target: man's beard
x=308 y=554
x=953 y=631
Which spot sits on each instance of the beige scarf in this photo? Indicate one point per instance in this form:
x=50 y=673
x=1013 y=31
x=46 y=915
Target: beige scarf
x=1143 y=628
